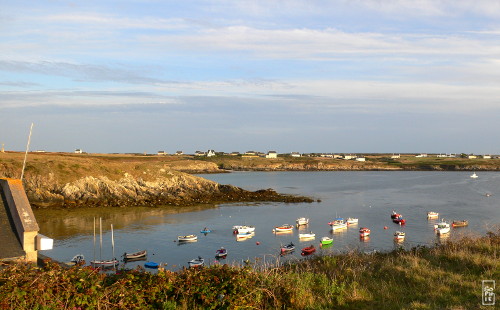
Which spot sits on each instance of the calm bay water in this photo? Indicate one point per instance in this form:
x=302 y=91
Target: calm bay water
x=369 y=196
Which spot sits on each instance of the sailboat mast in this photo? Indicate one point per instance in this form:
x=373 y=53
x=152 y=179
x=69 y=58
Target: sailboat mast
x=113 y=241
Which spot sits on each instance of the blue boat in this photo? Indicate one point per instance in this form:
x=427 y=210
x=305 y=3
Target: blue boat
x=151 y=265
x=205 y=231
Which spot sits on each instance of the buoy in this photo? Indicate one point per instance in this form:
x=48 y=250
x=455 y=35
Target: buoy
x=257 y=243
x=385 y=227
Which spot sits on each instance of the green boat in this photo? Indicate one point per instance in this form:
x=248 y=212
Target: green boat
x=326 y=240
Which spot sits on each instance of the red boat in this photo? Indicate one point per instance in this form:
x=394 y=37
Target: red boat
x=395 y=215
x=399 y=220
x=364 y=232
x=308 y=250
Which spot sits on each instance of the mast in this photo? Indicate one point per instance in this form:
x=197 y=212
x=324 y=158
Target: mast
x=113 y=246
x=94 y=238
x=26 y=154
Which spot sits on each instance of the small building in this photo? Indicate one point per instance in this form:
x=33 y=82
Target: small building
x=349 y=157
x=472 y=157
x=234 y=154
x=295 y=154
x=326 y=155
x=360 y=159
x=211 y=153
x=199 y=153
x=272 y=154
x=394 y=156
x=179 y=153
x=78 y=151
x=250 y=153
x=162 y=153
x=421 y=155
x=487 y=156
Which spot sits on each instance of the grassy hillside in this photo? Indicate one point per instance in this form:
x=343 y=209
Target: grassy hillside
x=447 y=276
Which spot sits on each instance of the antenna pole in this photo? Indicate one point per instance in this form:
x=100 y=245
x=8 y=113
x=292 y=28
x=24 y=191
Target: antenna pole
x=26 y=154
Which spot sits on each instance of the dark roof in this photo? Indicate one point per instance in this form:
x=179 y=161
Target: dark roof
x=10 y=246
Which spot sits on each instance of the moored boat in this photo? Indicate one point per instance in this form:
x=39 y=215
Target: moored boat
x=287 y=248
x=77 y=259
x=326 y=240
x=364 y=232
x=241 y=229
x=308 y=250
x=474 y=176
x=310 y=235
x=136 y=255
x=151 y=265
x=244 y=236
x=205 y=230
x=338 y=223
x=432 y=215
x=394 y=214
x=443 y=228
x=197 y=262
x=187 y=238
x=283 y=228
x=221 y=253
x=399 y=220
x=302 y=221
x=461 y=223
x=104 y=263
x=399 y=235
x=351 y=221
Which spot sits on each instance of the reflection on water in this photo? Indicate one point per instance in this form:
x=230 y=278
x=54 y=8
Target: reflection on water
x=62 y=223
x=368 y=196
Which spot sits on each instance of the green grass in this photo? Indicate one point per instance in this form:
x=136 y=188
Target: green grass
x=447 y=276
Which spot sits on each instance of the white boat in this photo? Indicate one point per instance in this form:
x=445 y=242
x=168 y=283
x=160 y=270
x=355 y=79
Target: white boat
x=77 y=259
x=283 y=228
x=241 y=229
x=187 y=238
x=351 y=220
x=399 y=235
x=196 y=262
x=104 y=263
x=338 y=223
x=100 y=263
x=474 y=176
x=443 y=228
x=310 y=235
x=245 y=235
x=364 y=232
x=432 y=215
x=302 y=221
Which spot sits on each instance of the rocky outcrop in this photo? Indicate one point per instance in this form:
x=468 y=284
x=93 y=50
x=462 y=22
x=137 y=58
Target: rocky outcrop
x=178 y=189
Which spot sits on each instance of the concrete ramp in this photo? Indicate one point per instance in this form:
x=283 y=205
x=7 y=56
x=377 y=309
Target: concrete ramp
x=18 y=226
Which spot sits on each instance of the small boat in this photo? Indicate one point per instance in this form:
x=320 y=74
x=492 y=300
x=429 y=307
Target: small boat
x=308 y=250
x=443 y=228
x=399 y=235
x=399 y=220
x=151 y=265
x=104 y=263
x=196 y=262
x=338 y=223
x=78 y=259
x=395 y=215
x=326 y=240
x=310 y=235
x=136 y=255
x=432 y=215
x=351 y=221
x=302 y=221
x=283 y=228
x=241 y=229
x=245 y=236
x=221 y=253
x=187 y=238
x=364 y=232
x=462 y=223
x=474 y=176
x=288 y=248
x=205 y=231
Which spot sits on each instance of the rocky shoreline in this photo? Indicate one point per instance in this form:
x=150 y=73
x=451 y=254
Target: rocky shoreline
x=179 y=190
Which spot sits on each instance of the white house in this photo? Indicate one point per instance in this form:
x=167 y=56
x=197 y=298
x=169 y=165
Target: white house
x=471 y=156
x=210 y=153
x=295 y=154
x=162 y=153
x=199 y=153
x=487 y=156
x=360 y=159
x=422 y=155
x=272 y=154
x=348 y=157
x=179 y=153
x=394 y=156
x=78 y=151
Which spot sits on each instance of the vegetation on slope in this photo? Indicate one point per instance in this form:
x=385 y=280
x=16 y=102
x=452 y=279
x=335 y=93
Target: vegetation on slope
x=447 y=276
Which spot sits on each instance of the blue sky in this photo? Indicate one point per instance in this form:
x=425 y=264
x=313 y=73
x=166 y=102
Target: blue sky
x=366 y=76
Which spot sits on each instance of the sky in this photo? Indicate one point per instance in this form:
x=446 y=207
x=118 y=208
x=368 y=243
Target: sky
x=339 y=76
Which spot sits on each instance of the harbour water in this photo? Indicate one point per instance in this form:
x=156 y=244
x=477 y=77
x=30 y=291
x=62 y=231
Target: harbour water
x=369 y=196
